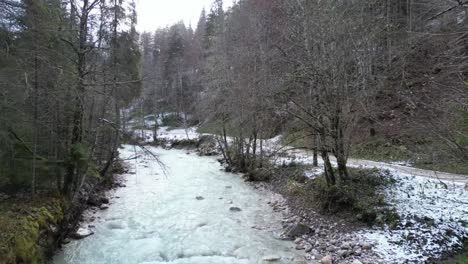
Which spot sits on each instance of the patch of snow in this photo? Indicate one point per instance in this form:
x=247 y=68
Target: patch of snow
x=402 y=163
x=178 y=134
x=314 y=172
x=433 y=215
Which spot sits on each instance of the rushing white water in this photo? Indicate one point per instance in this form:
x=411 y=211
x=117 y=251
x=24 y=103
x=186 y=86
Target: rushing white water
x=158 y=218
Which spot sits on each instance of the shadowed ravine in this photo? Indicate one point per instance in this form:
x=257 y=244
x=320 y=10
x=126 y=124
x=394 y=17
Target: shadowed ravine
x=182 y=217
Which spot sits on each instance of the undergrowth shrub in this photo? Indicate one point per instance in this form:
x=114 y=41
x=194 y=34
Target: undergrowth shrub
x=362 y=195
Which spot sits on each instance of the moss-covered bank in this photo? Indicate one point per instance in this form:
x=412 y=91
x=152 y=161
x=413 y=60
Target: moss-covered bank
x=32 y=228
x=29 y=229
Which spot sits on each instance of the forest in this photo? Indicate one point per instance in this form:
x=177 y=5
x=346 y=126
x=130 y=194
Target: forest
x=349 y=82
x=333 y=76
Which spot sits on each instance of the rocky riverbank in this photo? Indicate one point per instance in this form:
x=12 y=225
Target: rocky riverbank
x=324 y=238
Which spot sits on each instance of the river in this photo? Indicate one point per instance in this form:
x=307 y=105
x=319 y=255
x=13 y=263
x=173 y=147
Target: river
x=187 y=215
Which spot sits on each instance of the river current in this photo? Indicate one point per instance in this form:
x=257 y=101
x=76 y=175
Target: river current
x=190 y=213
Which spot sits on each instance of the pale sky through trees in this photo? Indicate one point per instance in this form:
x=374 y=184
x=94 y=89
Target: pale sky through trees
x=153 y=14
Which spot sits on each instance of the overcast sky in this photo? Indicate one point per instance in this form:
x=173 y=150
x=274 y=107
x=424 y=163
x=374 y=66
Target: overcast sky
x=153 y=14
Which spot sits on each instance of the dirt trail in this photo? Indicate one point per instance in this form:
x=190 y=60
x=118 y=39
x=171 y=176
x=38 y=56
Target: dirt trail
x=457 y=178
x=445 y=176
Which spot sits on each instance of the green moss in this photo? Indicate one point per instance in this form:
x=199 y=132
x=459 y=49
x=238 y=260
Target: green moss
x=20 y=230
x=26 y=247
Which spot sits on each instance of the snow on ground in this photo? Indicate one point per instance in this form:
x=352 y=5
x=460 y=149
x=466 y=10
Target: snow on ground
x=434 y=217
x=402 y=163
x=178 y=134
x=314 y=172
x=169 y=134
x=433 y=206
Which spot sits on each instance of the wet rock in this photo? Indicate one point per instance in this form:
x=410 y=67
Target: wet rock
x=94 y=201
x=199 y=198
x=120 y=185
x=271 y=258
x=296 y=230
x=81 y=233
x=300 y=247
x=367 y=246
x=235 y=209
x=327 y=260
x=356 y=262
x=103 y=207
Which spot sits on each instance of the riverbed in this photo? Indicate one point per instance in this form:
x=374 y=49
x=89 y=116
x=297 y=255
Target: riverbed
x=191 y=212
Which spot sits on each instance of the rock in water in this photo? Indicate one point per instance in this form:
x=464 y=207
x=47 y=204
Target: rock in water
x=271 y=258
x=235 y=209
x=327 y=260
x=199 y=198
x=81 y=233
x=296 y=230
x=104 y=200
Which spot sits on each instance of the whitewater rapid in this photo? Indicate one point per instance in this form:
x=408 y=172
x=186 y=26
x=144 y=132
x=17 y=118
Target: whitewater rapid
x=187 y=215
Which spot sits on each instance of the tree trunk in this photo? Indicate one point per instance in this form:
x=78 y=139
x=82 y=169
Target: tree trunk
x=77 y=132
x=329 y=174
x=340 y=154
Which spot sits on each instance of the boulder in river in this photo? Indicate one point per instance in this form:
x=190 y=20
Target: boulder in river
x=296 y=230
x=271 y=258
x=104 y=200
x=235 y=209
x=81 y=233
x=199 y=198
x=97 y=200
